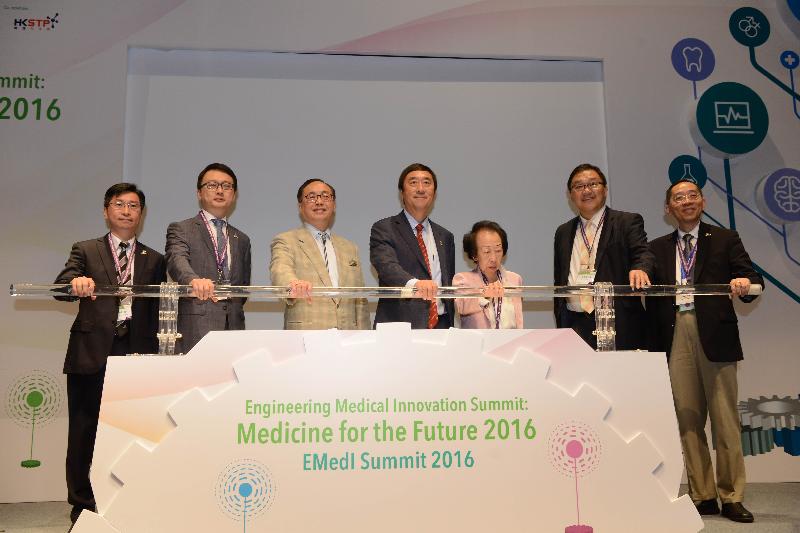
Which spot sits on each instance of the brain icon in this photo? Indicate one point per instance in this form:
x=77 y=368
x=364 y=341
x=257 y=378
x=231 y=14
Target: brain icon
x=787 y=193
x=779 y=195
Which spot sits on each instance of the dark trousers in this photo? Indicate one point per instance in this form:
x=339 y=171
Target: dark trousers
x=84 y=392
x=582 y=323
x=444 y=322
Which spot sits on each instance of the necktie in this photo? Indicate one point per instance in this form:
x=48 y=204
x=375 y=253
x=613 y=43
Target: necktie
x=324 y=237
x=121 y=326
x=122 y=258
x=587 y=302
x=220 y=225
x=688 y=246
x=433 y=314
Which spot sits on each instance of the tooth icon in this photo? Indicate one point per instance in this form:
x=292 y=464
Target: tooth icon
x=693 y=58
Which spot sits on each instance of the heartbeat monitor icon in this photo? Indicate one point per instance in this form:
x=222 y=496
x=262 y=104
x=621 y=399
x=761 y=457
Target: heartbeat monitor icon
x=732 y=117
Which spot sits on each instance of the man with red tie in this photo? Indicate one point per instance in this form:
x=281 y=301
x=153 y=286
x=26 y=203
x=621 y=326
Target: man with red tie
x=409 y=250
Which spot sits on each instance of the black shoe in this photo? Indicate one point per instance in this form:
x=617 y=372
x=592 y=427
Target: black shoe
x=706 y=507
x=735 y=511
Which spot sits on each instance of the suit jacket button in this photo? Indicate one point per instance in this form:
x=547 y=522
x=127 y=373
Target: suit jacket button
x=224 y=307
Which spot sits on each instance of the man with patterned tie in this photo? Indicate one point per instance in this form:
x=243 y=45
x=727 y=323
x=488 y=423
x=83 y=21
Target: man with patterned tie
x=601 y=244
x=105 y=325
x=206 y=250
x=409 y=250
x=313 y=256
x=701 y=338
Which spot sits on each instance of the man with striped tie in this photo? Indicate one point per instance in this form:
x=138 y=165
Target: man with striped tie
x=313 y=256
x=105 y=325
x=701 y=339
x=204 y=251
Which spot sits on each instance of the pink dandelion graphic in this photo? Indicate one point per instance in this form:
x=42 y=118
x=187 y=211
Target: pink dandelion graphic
x=575 y=451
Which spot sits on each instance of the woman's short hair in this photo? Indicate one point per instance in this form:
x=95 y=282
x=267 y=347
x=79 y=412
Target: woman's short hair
x=470 y=245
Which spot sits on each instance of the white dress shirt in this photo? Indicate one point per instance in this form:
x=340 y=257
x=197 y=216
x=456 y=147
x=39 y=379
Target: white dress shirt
x=574 y=302
x=333 y=267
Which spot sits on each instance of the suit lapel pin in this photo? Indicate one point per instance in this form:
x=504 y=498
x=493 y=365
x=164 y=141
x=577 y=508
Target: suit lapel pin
x=708 y=234
x=353 y=263
x=144 y=252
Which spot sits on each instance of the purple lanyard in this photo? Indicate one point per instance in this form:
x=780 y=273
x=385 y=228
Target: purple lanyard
x=121 y=276
x=498 y=307
x=686 y=264
x=220 y=252
x=590 y=247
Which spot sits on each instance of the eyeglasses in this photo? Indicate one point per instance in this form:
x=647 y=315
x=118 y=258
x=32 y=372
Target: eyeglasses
x=119 y=205
x=323 y=197
x=688 y=197
x=214 y=185
x=592 y=186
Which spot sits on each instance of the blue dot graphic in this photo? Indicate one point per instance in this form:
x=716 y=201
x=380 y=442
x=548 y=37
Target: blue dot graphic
x=790 y=59
x=244 y=489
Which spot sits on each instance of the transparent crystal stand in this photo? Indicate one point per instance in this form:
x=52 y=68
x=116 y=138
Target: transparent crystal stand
x=169 y=293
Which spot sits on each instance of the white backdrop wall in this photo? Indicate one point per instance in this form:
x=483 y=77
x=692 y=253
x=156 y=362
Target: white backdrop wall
x=125 y=117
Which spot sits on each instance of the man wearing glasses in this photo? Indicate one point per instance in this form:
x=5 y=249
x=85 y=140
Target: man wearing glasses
x=312 y=256
x=106 y=325
x=410 y=250
x=204 y=251
x=601 y=244
x=701 y=338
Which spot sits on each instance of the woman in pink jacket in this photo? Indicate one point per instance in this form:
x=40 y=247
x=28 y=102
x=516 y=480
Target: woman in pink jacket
x=487 y=245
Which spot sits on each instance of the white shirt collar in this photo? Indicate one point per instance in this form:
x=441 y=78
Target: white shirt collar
x=595 y=220
x=315 y=232
x=211 y=217
x=694 y=232
x=116 y=240
x=413 y=221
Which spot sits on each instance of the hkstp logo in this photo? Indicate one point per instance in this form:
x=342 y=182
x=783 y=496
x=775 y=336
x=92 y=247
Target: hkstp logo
x=47 y=23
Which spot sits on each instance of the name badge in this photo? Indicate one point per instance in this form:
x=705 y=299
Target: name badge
x=685 y=302
x=585 y=276
x=124 y=311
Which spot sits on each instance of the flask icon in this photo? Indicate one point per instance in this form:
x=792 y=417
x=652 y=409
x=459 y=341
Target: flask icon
x=687 y=173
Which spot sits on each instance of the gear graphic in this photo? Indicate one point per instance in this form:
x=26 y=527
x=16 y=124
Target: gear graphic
x=377 y=365
x=769 y=422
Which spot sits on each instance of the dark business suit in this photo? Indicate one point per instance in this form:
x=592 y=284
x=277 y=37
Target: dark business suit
x=721 y=257
x=622 y=247
x=703 y=375
x=190 y=255
x=92 y=339
x=396 y=256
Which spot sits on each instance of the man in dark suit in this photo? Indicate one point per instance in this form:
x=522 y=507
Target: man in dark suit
x=601 y=244
x=701 y=338
x=106 y=325
x=409 y=250
x=205 y=250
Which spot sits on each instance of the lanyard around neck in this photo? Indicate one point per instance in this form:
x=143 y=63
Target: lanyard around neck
x=498 y=307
